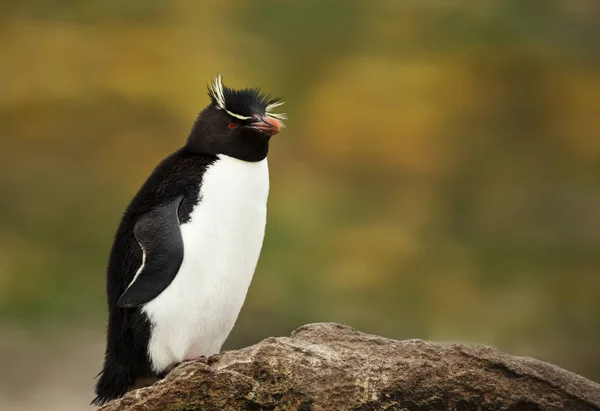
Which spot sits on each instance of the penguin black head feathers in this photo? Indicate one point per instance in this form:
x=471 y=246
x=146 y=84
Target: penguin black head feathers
x=237 y=123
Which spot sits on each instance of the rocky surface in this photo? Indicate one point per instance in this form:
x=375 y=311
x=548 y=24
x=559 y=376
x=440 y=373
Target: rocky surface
x=334 y=367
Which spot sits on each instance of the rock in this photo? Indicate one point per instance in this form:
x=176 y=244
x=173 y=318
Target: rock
x=333 y=367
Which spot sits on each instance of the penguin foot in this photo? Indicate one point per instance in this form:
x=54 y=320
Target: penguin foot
x=173 y=366
x=167 y=370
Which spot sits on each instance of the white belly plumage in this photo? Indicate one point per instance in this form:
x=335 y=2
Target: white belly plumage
x=222 y=241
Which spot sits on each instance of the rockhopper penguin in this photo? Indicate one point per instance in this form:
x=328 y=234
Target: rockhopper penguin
x=188 y=244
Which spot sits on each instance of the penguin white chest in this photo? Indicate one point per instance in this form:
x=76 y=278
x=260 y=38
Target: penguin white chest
x=222 y=242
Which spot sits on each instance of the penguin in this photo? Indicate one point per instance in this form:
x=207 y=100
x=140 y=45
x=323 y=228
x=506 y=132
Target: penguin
x=187 y=246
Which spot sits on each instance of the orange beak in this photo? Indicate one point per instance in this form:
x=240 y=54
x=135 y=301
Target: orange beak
x=266 y=125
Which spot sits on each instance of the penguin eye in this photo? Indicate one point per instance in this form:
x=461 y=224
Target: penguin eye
x=231 y=125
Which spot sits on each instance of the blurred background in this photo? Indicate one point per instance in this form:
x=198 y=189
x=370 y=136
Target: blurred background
x=438 y=178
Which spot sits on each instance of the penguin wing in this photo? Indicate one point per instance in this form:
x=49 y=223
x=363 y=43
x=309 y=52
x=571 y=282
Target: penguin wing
x=157 y=233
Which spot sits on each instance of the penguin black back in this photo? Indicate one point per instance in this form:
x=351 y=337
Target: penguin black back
x=126 y=357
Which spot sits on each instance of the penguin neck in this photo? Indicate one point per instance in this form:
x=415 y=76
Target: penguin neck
x=246 y=147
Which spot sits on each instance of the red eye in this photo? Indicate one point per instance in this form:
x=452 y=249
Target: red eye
x=231 y=125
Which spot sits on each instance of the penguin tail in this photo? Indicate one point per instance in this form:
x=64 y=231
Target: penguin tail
x=113 y=382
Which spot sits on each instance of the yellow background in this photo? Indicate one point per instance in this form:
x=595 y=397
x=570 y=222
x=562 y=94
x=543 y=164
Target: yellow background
x=438 y=178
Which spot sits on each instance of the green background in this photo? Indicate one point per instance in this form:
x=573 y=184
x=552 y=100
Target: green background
x=438 y=178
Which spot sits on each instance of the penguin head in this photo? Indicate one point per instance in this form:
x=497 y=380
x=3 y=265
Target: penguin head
x=237 y=123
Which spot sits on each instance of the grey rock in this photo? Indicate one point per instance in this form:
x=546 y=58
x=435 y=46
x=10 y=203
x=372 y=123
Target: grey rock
x=329 y=366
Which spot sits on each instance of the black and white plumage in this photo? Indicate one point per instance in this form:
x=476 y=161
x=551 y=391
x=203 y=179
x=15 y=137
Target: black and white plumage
x=188 y=244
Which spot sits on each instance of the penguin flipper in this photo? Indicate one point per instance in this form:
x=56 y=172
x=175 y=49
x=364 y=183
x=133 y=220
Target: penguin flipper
x=157 y=233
